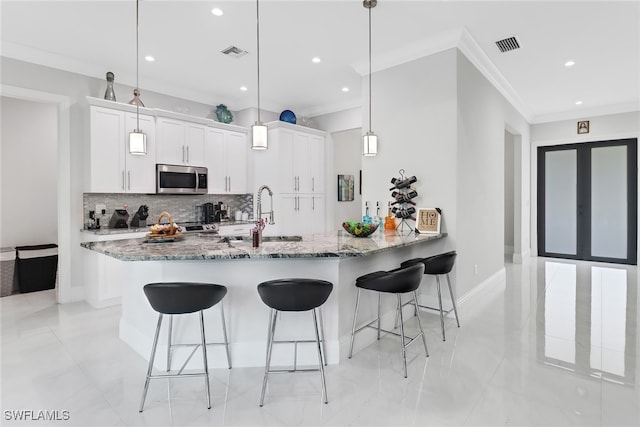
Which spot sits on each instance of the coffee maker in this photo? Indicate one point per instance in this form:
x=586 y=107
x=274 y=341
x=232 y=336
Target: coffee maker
x=208 y=213
x=221 y=212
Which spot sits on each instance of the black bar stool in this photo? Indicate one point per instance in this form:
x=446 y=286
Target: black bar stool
x=293 y=295
x=181 y=298
x=398 y=281
x=437 y=265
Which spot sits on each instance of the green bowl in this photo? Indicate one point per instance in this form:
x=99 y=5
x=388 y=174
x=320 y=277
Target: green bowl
x=359 y=229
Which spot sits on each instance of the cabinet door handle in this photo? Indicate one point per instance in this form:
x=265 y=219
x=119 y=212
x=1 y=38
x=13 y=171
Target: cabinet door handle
x=123 y=183
x=183 y=154
x=129 y=180
x=313 y=203
x=229 y=184
x=187 y=154
x=313 y=184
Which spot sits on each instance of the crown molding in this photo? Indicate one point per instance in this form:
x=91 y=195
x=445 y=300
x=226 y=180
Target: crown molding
x=585 y=113
x=474 y=53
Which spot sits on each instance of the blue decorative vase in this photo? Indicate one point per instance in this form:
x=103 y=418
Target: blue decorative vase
x=223 y=114
x=288 y=116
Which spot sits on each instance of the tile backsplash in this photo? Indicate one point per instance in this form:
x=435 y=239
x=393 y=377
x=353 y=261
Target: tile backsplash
x=183 y=208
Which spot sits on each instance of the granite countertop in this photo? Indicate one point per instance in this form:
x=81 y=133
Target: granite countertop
x=203 y=246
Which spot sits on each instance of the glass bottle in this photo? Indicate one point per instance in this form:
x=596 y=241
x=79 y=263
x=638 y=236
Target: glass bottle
x=110 y=95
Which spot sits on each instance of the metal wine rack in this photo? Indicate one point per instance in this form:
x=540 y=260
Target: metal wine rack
x=402 y=194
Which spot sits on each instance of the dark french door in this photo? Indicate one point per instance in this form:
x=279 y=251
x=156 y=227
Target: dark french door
x=587 y=201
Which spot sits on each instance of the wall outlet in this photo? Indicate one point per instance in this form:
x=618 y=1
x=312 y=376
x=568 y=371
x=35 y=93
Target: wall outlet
x=475 y=269
x=101 y=209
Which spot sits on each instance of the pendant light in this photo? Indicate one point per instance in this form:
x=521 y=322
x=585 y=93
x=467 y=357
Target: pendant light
x=259 y=129
x=137 y=138
x=370 y=139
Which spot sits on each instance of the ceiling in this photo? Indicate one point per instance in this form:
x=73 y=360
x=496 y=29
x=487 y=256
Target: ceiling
x=93 y=37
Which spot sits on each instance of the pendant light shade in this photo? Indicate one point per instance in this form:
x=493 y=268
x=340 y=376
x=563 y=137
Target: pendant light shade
x=137 y=138
x=258 y=130
x=370 y=139
x=370 y=144
x=137 y=143
x=259 y=136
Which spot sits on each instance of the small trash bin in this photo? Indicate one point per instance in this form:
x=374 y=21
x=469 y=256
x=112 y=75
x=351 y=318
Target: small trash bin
x=37 y=267
x=7 y=271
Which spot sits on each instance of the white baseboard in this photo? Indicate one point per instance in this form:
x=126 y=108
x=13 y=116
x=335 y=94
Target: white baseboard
x=520 y=258
x=495 y=281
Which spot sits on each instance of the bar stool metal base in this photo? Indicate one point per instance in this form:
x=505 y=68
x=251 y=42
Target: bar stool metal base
x=179 y=374
x=403 y=337
x=439 y=309
x=270 y=341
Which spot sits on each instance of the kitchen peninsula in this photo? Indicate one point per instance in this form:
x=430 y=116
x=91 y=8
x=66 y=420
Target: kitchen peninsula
x=337 y=257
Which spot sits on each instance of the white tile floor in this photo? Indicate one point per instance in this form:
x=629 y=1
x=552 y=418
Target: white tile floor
x=556 y=346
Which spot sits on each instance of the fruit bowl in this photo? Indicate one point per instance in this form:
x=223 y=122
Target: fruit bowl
x=359 y=229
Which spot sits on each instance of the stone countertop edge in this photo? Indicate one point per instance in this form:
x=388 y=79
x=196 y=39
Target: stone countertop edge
x=331 y=245
x=106 y=231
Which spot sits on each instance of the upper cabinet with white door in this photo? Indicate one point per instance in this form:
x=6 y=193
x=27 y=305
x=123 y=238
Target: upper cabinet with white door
x=226 y=154
x=298 y=179
x=180 y=142
x=111 y=168
x=301 y=160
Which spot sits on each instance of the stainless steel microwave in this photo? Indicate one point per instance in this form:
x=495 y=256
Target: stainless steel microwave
x=176 y=179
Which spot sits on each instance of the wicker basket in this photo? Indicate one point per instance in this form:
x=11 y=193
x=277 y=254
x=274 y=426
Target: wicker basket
x=172 y=231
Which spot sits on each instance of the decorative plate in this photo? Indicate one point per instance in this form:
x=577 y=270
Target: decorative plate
x=288 y=116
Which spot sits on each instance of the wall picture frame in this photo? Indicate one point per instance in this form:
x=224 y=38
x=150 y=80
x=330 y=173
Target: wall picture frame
x=583 y=126
x=346 y=187
x=428 y=220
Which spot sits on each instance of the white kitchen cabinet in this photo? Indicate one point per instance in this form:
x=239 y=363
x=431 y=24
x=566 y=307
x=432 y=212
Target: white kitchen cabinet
x=300 y=161
x=180 y=142
x=226 y=154
x=112 y=169
x=300 y=214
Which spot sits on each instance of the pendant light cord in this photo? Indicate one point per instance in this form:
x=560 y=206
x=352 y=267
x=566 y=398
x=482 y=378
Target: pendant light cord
x=370 y=69
x=137 y=65
x=258 y=50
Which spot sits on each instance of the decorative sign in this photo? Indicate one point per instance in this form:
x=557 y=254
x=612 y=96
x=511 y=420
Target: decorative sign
x=428 y=220
x=583 y=127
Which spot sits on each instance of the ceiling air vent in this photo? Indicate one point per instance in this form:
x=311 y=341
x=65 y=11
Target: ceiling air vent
x=505 y=45
x=234 y=52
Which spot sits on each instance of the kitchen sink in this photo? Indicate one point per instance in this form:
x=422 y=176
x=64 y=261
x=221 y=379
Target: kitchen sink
x=231 y=239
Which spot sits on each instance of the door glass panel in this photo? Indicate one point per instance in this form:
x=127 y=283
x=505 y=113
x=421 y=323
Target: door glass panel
x=609 y=202
x=560 y=202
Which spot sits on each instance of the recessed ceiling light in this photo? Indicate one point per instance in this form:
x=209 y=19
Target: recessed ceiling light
x=315 y=60
x=578 y=102
x=345 y=89
x=217 y=12
x=569 y=64
x=243 y=88
x=149 y=58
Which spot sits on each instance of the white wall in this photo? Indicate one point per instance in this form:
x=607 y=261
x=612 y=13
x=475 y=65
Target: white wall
x=483 y=116
x=28 y=154
x=601 y=128
x=347 y=155
x=414 y=116
x=338 y=121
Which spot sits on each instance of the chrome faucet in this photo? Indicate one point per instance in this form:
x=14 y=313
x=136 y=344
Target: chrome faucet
x=259 y=203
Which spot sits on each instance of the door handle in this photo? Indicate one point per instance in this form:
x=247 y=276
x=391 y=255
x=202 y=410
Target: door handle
x=183 y=154
x=123 y=183
x=187 y=154
x=229 y=184
x=313 y=184
x=129 y=180
x=313 y=203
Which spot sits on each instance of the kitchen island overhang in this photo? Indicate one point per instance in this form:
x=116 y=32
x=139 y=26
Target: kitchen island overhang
x=336 y=257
